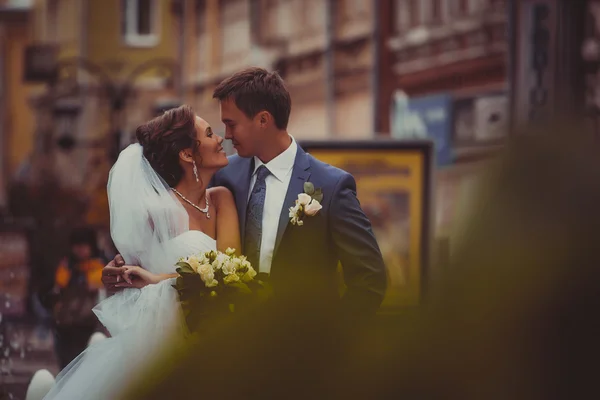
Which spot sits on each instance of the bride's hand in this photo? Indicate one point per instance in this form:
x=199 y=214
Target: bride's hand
x=137 y=277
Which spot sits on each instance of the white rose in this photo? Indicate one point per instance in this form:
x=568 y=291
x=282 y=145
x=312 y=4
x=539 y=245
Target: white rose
x=230 y=251
x=206 y=273
x=228 y=268
x=237 y=263
x=246 y=264
x=212 y=283
x=222 y=258
x=249 y=275
x=231 y=278
x=194 y=263
x=304 y=199
x=313 y=208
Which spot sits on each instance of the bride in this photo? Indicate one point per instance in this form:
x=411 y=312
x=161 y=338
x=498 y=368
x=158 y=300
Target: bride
x=160 y=211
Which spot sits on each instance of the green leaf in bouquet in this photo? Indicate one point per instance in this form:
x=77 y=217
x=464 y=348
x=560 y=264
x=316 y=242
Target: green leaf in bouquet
x=309 y=188
x=184 y=268
x=179 y=283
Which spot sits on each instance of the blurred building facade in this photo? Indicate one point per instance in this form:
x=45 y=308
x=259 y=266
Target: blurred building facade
x=16 y=31
x=325 y=50
x=345 y=62
x=556 y=50
x=83 y=76
x=443 y=76
x=445 y=70
x=550 y=65
x=456 y=47
x=77 y=77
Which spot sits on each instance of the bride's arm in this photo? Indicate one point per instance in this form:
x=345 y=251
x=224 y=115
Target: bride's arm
x=117 y=275
x=138 y=277
x=228 y=230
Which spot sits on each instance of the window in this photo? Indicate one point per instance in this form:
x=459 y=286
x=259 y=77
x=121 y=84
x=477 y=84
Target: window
x=235 y=27
x=354 y=9
x=360 y=7
x=202 y=38
x=415 y=13
x=436 y=10
x=315 y=15
x=440 y=10
x=279 y=19
x=459 y=8
x=140 y=22
x=404 y=15
x=52 y=20
x=285 y=18
x=476 y=6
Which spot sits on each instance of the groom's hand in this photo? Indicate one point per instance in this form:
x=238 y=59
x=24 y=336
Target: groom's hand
x=112 y=274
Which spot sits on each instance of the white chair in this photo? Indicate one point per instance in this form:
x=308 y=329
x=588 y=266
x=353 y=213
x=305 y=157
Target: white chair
x=95 y=338
x=40 y=385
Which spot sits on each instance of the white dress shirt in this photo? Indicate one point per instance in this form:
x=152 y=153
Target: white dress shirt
x=277 y=183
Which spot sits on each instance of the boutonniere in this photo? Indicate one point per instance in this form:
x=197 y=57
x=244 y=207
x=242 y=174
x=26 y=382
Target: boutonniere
x=307 y=204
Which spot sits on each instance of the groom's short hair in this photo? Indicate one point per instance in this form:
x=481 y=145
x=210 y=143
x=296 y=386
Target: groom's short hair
x=254 y=90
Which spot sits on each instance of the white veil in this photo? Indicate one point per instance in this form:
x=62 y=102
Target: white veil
x=144 y=217
x=144 y=213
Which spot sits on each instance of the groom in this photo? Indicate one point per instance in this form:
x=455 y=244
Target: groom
x=266 y=177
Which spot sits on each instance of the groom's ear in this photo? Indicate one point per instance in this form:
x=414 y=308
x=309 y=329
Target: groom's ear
x=263 y=118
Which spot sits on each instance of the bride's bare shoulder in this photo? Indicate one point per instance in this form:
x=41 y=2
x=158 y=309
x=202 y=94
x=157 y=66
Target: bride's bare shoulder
x=221 y=196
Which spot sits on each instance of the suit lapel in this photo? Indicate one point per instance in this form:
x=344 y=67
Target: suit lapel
x=242 y=182
x=300 y=174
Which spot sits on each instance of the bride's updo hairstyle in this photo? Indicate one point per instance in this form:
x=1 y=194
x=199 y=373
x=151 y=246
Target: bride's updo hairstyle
x=164 y=137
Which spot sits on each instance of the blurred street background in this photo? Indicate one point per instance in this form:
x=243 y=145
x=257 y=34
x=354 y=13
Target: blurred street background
x=78 y=76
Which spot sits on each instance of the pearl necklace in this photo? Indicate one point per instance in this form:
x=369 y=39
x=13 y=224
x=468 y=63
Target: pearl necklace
x=202 y=210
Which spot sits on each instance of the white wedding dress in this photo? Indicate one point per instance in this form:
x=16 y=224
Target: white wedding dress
x=142 y=322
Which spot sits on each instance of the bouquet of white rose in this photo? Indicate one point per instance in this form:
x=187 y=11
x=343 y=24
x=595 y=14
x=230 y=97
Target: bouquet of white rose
x=212 y=283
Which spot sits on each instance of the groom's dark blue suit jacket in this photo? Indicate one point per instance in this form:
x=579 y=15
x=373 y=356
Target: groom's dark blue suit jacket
x=306 y=257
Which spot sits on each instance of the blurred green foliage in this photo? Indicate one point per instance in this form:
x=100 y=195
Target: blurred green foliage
x=514 y=316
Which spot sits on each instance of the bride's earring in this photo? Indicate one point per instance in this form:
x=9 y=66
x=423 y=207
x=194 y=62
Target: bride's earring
x=196 y=171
